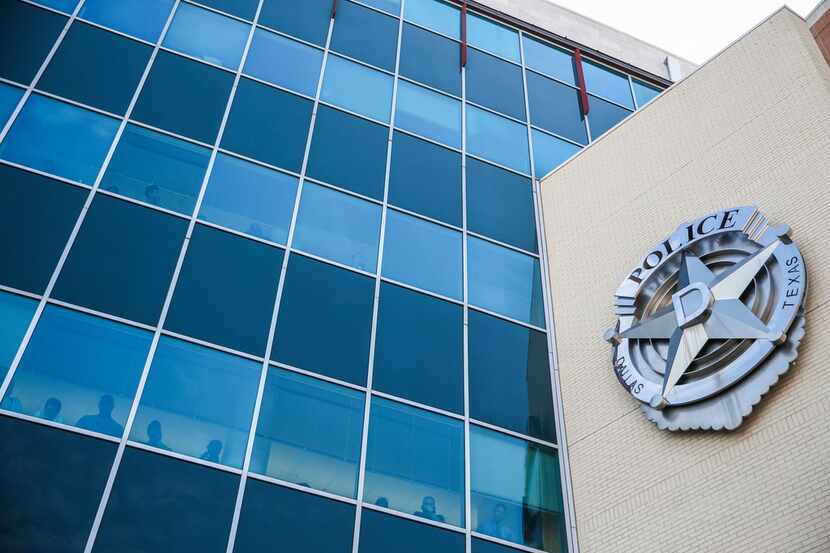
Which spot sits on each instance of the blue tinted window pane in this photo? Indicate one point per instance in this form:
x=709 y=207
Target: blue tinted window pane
x=505 y=281
x=207 y=35
x=555 y=107
x=245 y=9
x=500 y=205
x=268 y=124
x=9 y=96
x=194 y=111
x=607 y=83
x=197 y=401
x=325 y=320
x=63 y=5
x=54 y=480
x=296 y=517
x=365 y=34
x=357 y=88
x=377 y=530
x=498 y=139
x=141 y=18
x=644 y=93
x=389 y=6
x=226 y=289
x=429 y=114
x=422 y=254
x=403 y=471
x=309 y=433
x=308 y=20
x=603 y=116
x=249 y=198
x=425 y=178
x=435 y=15
x=285 y=62
x=59 y=138
x=549 y=60
x=418 y=354
x=27 y=34
x=339 y=227
x=489 y=35
x=79 y=370
x=36 y=216
x=157 y=169
x=430 y=59
x=510 y=377
x=163 y=504
x=123 y=260
x=495 y=84
x=550 y=152
x=349 y=152
x=516 y=491
x=16 y=313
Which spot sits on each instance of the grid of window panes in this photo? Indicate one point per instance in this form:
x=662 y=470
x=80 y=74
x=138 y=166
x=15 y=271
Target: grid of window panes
x=271 y=280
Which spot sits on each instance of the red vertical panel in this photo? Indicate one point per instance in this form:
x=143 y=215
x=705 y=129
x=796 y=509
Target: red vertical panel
x=333 y=8
x=463 y=34
x=580 y=81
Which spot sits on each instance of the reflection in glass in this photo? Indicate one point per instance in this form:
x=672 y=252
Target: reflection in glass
x=607 y=83
x=549 y=60
x=489 y=35
x=365 y=35
x=604 y=116
x=550 y=152
x=140 y=18
x=309 y=433
x=79 y=370
x=644 y=93
x=415 y=461
x=497 y=138
x=284 y=62
x=207 y=35
x=357 y=88
x=195 y=396
x=429 y=114
x=436 y=15
x=15 y=313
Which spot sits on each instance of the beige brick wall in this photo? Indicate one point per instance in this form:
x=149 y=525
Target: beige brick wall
x=750 y=127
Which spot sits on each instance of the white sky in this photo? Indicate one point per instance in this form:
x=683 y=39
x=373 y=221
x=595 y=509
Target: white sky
x=692 y=29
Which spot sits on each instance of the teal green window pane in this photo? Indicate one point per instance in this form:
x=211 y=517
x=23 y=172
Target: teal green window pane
x=555 y=107
x=604 y=116
x=284 y=62
x=409 y=536
x=307 y=20
x=207 y=35
x=496 y=84
x=245 y=9
x=428 y=114
x=27 y=34
x=140 y=18
x=431 y=59
x=488 y=35
x=607 y=83
x=249 y=198
x=9 y=97
x=16 y=313
x=309 y=433
x=550 y=152
x=644 y=93
x=357 y=88
x=505 y=281
x=436 y=15
x=60 y=139
x=157 y=169
x=365 y=34
x=338 y=226
x=549 y=60
x=497 y=139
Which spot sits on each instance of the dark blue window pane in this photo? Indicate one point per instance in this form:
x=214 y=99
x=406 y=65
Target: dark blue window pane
x=245 y=9
x=59 y=138
x=309 y=433
x=357 y=88
x=54 y=480
x=285 y=62
x=365 y=35
x=403 y=471
x=122 y=261
x=603 y=116
x=549 y=60
x=607 y=83
x=483 y=546
x=63 y=5
x=510 y=377
x=436 y=15
x=488 y=35
x=644 y=93
x=27 y=34
x=425 y=178
x=207 y=35
x=268 y=124
x=500 y=205
x=555 y=107
x=198 y=401
x=296 y=518
x=141 y=18
x=249 y=198
x=495 y=84
x=381 y=533
x=16 y=313
x=9 y=96
x=497 y=138
x=549 y=152
x=428 y=114
x=430 y=59
x=349 y=152
x=36 y=217
x=194 y=111
x=163 y=504
x=157 y=169
x=97 y=68
x=308 y=20
x=325 y=320
x=226 y=290
x=79 y=370
x=419 y=351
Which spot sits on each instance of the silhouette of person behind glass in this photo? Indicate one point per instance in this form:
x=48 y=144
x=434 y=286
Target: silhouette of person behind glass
x=51 y=410
x=103 y=421
x=497 y=526
x=382 y=502
x=151 y=194
x=212 y=451
x=154 y=435
x=428 y=509
x=11 y=403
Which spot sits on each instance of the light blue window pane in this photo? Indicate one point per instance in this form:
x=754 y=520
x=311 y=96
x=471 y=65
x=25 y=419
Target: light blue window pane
x=197 y=401
x=309 y=433
x=505 y=281
x=60 y=139
x=389 y=6
x=285 y=62
x=249 y=198
x=339 y=227
x=157 y=169
x=428 y=113
x=644 y=93
x=9 y=96
x=550 y=152
x=549 y=60
x=62 y=5
x=435 y=15
x=497 y=139
x=357 y=88
x=141 y=18
x=607 y=83
x=15 y=313
x=489 y=35
x=422 y=254
x=207 y=35
x=415 y=462
x=79 y=370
